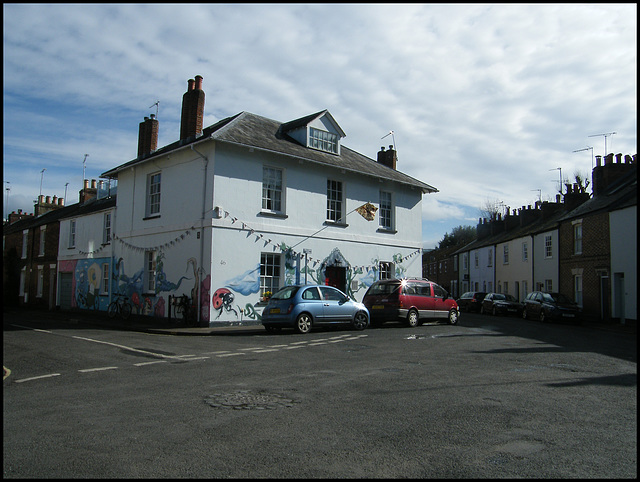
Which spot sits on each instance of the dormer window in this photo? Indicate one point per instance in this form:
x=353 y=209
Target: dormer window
x=323 y=140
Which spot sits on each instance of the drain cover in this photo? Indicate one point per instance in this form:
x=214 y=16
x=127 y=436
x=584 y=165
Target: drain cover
x=246 y=400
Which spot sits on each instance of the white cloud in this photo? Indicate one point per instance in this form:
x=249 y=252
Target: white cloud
x=484 y=100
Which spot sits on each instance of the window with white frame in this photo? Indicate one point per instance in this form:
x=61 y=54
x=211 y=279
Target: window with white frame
x=150 y=271
x=334 y=200
x=476 y=260
x=525 y=288
x=43 y=236
x=323 y=140
x=153 y=194
x=105 y=279
x=23 y=280
x=548 y=246
x=386 y=270
x=272 y=189
x=25 y=236
x=548 y=285
x=577 y=237
x=577 y=289
x=490 y=258
x=40 y=282
x=525 y=251
x=505 y=254
x=106 y=229
x=386 y=210
x=270 y=272
x=72 y=233
x=465 y=261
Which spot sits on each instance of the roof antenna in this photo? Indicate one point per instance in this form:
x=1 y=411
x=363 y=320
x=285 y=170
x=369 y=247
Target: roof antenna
x=156 y=103
x=605 y=139
x=392 y=137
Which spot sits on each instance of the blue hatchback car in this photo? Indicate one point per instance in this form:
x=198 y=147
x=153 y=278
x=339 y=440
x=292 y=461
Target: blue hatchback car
x=304 y=306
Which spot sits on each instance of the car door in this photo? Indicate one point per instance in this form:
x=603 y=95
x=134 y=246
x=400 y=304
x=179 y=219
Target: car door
x=425 y=301
x=313 y=303
x=534 y=306
x=440 y=307
x=333 y=304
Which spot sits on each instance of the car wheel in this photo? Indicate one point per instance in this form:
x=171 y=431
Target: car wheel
x=303 y=323
x=543 y=317
x=360 y=321
x=453 y=317
x=524 y=313
x=412 y=318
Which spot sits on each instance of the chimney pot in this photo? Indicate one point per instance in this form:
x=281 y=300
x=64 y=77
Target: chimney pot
x=93 y=183
x=618 y=158
x=61 y=201
x=86 y=183
x=198 y=82
x=598 y=161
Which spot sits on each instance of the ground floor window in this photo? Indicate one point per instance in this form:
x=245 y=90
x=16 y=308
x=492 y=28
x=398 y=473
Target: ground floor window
x=269 y=273
x=386 y=270
x=577 y=289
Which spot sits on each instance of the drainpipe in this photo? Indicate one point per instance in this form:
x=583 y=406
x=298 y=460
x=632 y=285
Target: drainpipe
x=204 y=200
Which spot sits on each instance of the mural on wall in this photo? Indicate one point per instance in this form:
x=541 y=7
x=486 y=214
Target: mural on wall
x=87 y=275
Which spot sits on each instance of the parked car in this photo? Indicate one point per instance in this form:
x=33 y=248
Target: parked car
x=411 y=300
x=471 y=301
x=549 y=306
x=500 y=304
x=304 y=306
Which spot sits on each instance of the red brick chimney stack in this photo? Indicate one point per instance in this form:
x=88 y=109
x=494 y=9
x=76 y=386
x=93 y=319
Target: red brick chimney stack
x=148 y=136
x=192 y=109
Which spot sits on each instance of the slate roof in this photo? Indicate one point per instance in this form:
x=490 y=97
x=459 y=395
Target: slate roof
x=89 y=206
x=251 y=130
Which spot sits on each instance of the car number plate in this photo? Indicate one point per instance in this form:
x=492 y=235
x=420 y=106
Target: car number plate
x=568 y=315
x=377 y=307
x=273 y=311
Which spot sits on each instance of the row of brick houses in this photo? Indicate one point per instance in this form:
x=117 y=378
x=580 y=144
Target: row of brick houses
x=584 y=246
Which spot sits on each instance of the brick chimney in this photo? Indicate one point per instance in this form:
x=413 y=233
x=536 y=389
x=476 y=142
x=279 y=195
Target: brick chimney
x=603 y=175
x=13 y=217
x=388 y=158
x=88 y=192
x=147 y=136
x=192 y=109
x=46 y=204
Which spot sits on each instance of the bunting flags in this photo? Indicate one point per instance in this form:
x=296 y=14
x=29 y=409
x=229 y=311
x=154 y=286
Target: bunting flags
x=165 y=246
x=368 y=208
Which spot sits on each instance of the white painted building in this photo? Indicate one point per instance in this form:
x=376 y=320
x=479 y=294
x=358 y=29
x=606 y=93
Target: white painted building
x=250 y=204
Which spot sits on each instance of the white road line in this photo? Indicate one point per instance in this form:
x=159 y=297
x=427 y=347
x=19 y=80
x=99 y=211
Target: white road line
x=250 y=348
x=38 y=378
x=336 y=341
x=293 y=347
x=149 y=363
x=300 y=342
x=230 y=354
x=87 y=370
x=158 y=355
x=276 y=346
x=266 y=350
x=34 y=329
x=315 y=344
x=216 y=352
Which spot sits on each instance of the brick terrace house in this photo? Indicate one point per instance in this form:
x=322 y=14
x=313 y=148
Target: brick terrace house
x=590 y=244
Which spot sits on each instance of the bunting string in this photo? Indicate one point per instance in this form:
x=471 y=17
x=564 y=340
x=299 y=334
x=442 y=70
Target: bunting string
x=169 y=244
x=282 y=247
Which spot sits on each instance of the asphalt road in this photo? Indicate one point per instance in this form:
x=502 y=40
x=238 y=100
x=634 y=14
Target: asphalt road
x=490 y=397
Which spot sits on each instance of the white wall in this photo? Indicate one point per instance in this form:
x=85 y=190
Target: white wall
x=624 y=259
x=546 y=268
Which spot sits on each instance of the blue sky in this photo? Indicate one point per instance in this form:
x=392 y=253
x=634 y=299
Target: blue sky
x=485 y=101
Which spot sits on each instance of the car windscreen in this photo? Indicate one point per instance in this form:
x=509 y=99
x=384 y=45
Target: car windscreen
x=286 y=293
x=383 y=288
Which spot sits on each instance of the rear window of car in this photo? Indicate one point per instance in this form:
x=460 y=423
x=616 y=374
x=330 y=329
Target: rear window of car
x=383 y=288
x=286 y=293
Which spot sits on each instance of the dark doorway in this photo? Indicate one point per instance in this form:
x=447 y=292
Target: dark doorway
x=336 y=276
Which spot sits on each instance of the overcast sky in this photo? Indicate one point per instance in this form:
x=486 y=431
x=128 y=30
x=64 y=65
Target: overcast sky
x=485 y=101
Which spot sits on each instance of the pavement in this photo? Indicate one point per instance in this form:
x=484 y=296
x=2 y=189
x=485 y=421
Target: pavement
x=165 y=326
x=146 y=324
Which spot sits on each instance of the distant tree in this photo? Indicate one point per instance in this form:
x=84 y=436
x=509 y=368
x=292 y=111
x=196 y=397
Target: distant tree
x=582 y=181
x=490 y=209
x=460 y=235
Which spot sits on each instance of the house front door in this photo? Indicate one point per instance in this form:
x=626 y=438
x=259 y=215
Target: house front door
x=336 y=276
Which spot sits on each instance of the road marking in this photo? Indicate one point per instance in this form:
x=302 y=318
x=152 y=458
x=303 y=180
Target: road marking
x=38 y=378
x=158 y=355
x=293 y=347
x=34 y=329
x=336 y=341
x=216 y=352
x=266 y=350
x=149 y=363
x=315 y=344
x=300 y=342
x=230 y=354
x=87 y=370
x=250 y=348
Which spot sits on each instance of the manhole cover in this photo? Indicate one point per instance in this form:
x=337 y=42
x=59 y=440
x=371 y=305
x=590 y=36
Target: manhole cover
x=247 y=400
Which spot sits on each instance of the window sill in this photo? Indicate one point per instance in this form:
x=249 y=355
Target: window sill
x=337 y=224
x=386 y=230
x=272 y=214
x=156 y=216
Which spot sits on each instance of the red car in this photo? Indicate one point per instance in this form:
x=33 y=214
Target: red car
x=413 y=301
